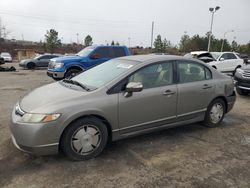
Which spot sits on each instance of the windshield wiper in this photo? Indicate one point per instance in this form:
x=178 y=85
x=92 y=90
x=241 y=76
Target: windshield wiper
x=76 y=83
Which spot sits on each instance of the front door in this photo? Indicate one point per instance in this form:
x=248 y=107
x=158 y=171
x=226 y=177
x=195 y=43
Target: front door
x=155 y=105
x=102 y=53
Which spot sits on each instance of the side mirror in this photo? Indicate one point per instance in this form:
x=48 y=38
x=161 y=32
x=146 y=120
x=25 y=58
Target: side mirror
x=95 y=56
x=133 y=87
x=222 y=59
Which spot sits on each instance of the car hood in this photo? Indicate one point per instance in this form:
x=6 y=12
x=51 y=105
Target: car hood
x=25 y=60
x=246 y=67
x=47 y=98
x=69 y=58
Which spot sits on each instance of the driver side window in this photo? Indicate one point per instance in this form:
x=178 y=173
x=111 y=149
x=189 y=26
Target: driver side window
x=156 y=75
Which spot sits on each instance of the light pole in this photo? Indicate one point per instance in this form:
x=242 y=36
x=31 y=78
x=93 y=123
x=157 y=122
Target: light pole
x=129 y=41
x=77 y=38
x=212 y=10
x=224 y=36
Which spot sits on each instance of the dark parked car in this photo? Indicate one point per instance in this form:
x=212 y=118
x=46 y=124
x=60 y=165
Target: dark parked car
x=242 y=80
x=38 y=61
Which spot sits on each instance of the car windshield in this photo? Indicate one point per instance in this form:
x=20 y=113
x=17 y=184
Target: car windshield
x=215 y=55
x=36 y=57
x=104 y=73
x=86 y=51
x=5 y=54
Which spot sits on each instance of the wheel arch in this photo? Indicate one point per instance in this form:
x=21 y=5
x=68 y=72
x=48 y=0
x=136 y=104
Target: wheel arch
x=104 y=120
x=224 y=99
x=74 y=67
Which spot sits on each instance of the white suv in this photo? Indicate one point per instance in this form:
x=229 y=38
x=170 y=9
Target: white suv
x=6 y=56
x=226 y=61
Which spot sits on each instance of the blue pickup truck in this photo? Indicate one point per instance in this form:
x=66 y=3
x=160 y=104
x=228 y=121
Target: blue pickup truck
x=69 y=66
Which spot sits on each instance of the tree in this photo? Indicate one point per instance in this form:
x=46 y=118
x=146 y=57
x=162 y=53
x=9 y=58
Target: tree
x=166 y=45
x=184 y=45
x=51 y=40
x=117 y=43
x=88 y=41
x=235 y=46
x=158 y=44
x=112 y=43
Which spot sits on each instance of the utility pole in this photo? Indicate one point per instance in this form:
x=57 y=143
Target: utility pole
x=129 y=42
x=212 y=10
x=77 y=39
x=152 y=34
x=223 y=40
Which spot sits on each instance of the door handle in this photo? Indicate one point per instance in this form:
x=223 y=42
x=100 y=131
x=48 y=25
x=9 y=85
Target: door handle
x=206 y=86
x=168 y=92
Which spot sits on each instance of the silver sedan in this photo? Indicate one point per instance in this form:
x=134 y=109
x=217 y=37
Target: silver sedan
x=120 y=98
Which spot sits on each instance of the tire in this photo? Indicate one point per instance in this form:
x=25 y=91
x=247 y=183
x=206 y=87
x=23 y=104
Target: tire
x=242 y=91
x=235 y=70
x=31 y=65
x=84 y=139
x=71 y=73
x=215 y=113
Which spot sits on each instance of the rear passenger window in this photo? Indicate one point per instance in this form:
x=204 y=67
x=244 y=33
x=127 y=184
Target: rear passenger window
x=118 y=52
x=192 y=72
x=103 y=52
x=228 y=56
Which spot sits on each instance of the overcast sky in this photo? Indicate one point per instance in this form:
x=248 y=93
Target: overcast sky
x=107 y=20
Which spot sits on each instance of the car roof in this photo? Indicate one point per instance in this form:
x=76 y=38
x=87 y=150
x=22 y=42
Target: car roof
x=151 y=57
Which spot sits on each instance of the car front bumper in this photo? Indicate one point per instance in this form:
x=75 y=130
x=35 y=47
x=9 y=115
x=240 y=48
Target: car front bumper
x=55 y=74
x=34 y=138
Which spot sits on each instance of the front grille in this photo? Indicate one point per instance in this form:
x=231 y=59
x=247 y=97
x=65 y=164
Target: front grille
x=246 y=73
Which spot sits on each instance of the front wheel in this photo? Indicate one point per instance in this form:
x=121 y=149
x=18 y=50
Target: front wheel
x=215 y=113
x=71 y=73
x=84 y=139
x=31 y=65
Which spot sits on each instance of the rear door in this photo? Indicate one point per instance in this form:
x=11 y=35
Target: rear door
x=155 y=105
x=195 y=89
x=117 y=52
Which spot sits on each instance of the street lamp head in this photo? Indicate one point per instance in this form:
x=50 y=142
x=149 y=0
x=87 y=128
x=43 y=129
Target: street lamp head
x=211 y=9
x=217 y=8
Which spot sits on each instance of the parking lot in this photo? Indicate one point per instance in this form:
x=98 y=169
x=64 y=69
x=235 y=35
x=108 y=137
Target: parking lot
x=187 y=156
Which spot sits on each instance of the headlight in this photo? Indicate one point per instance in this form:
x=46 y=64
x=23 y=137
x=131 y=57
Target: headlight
x=38 y=118
x=58 y=65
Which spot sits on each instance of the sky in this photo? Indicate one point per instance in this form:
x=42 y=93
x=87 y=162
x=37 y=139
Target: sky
x=128 y=22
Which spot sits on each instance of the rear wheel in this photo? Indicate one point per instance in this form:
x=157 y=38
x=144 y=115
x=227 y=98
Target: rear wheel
x=84 y=139
x=31 y=65
x=242 y=91
x=215 y=113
